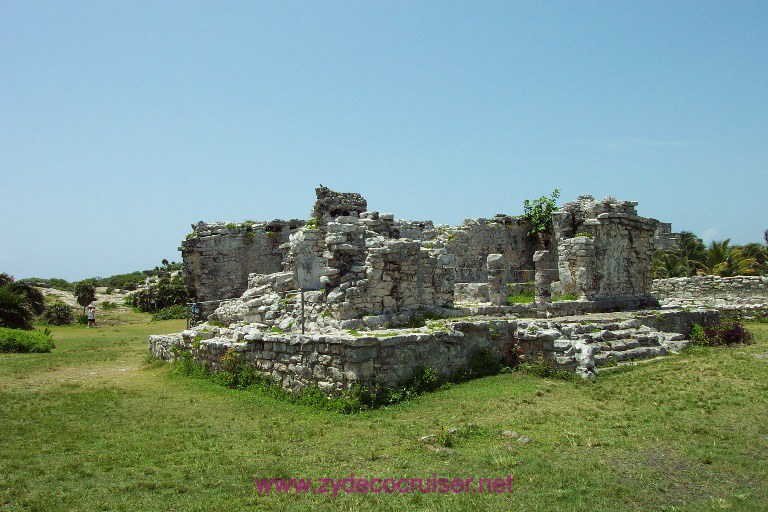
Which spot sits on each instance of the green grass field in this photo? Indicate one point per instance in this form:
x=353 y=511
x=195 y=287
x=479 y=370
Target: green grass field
x=94 y=426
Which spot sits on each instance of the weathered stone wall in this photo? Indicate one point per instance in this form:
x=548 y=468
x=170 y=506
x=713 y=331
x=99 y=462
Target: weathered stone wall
x=472 y=242
x=624 y=248
x=612 y=256
x=218 y=257
x=335 y=362
x=577 y=262
x=748 y=294
x=361 y=272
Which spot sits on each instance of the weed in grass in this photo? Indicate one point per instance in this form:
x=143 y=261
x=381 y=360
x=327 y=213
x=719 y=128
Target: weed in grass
x=524 y=297
x=564 y=297
x=542 y=368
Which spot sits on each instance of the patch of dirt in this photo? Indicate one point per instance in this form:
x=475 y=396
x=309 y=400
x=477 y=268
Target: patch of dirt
x=685 y=480
x=74 y=375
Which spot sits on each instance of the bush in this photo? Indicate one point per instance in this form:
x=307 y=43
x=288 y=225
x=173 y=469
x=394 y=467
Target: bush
x=58 y=313
x=15 y=311
x=108 y=305
x=164 y=293
x=34 y=297
x=177 y=311
x=539 y=212
x=724 y=333
x=15 y=340
x=82 y=319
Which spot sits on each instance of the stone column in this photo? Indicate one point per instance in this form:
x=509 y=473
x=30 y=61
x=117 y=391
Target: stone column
x=496 y=271
x=542 y=261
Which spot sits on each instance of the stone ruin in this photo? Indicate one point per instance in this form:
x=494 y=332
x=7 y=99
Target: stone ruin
x=354 y=296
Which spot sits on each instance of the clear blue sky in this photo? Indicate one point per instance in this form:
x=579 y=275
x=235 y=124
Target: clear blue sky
x=121 y=123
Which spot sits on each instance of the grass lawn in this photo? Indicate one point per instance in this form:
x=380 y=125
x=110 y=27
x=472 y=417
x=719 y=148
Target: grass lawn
x=94 y=426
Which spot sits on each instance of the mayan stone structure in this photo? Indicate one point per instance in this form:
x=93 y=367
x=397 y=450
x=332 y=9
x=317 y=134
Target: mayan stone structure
x=353 y=295
x=218 y=257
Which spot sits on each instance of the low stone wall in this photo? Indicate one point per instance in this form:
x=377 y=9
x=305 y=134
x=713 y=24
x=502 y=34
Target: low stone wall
x=742 y=294
x=335 y=362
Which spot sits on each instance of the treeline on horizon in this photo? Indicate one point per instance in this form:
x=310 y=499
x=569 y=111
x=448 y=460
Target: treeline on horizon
x=129 y=281
x=690 y=257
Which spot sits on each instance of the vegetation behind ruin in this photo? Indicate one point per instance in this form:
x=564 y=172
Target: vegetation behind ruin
x=691 y=257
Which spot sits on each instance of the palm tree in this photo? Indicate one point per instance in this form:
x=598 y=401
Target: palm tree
x=691 y=250
x=756 y=253
x=668 y=264
x=723 y=260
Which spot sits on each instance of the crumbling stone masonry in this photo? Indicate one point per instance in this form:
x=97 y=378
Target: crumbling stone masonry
x=334 y=362
x=604 y=249
x=320 y=302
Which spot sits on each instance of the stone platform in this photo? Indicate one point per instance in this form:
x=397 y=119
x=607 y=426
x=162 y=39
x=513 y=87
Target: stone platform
x=334 y=361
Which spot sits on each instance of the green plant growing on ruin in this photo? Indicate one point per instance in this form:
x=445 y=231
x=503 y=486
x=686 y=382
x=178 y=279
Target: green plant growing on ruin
x=541 y=368
x=440 y=324
x=249 y=236
x=417 y=321
x=524 y=297
x=584 y=233
x=313 y=224
x=217 y=323
x=565 y=296
x=539 y=213
x=232 y=225
x=276 y=330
